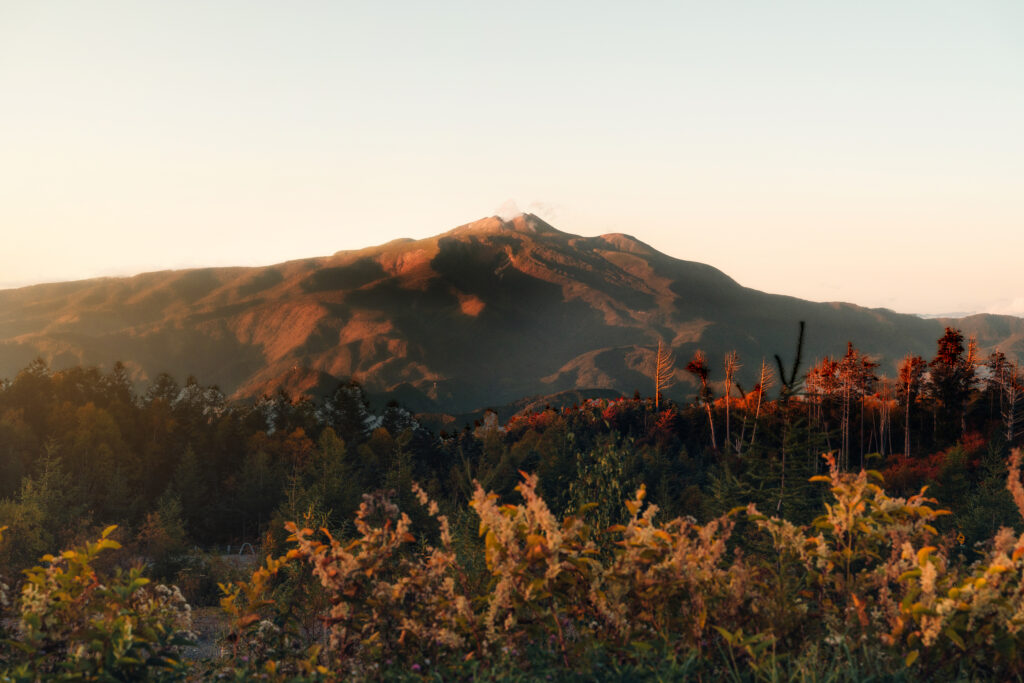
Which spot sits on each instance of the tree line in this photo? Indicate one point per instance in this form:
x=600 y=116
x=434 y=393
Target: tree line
x=178 y=465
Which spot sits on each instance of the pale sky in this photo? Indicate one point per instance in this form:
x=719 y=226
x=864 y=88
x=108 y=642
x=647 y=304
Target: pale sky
x=870 y=152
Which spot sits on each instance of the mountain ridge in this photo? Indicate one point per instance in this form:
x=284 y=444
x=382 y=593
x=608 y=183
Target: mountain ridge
x=486 y=313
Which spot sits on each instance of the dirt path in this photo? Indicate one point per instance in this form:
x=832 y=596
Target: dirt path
x=211 y=624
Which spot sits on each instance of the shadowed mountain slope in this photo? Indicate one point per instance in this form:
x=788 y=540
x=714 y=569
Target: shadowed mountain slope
x=481 y=315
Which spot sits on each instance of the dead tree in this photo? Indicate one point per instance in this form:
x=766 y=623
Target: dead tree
x=664 y=373
x=764 y=383
x=699 y=367
x=732 y=364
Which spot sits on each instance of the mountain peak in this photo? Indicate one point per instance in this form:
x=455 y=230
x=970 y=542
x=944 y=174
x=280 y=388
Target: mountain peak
x=524 y=223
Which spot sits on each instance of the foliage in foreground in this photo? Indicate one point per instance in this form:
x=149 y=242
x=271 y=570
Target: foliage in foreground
x=74 y=624
x=870 y=589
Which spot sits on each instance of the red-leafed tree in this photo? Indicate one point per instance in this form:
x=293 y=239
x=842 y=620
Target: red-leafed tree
x=844 y=382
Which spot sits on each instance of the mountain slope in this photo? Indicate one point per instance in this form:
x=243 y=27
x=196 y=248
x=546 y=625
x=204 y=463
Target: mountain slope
x=484 y=314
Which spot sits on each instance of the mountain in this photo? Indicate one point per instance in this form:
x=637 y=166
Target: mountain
x=482 y=315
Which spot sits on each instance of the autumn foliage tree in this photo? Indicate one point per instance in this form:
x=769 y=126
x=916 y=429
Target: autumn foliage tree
x=842 y=383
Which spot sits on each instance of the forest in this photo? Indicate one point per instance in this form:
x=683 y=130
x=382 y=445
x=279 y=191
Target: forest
x=828 y=523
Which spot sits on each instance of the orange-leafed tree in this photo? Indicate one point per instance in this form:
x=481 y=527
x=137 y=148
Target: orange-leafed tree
x=856 y=379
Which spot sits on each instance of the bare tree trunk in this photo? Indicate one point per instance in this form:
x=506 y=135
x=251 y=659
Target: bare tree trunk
x=906 y=426
x=1011 y=407
x=844 y=456
x=731 y=365
x=743 y=430
x=782 y=478
x=728 y=427
x=862 y=431
x=782 y=481
x=757 y=414
x=883 y=418
x=762 y=386
x=711 y=423
x=971 y=363
x=664 y=371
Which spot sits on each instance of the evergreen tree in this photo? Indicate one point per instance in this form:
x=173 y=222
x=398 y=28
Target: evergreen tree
x=950 y=378
x=347 y=413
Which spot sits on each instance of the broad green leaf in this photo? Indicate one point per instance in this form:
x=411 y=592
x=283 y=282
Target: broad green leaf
x=955 y=637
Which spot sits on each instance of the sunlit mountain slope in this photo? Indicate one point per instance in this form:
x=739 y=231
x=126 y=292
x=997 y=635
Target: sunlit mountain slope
x=484 y=314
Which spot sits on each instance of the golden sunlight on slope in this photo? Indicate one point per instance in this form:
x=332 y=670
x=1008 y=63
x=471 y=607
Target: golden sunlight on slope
x=279 y=328
x=295 y=380
x=485 y=313
x=585 y=370
x=688 y=332
x=371 y=338
x=410 y=265
x=363 y=326
x=470 y=304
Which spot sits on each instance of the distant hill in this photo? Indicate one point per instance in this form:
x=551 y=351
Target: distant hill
x=479 y=316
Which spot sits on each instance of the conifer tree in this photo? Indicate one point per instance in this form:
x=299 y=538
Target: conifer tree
x=1013 y=404
x=998 y=366
x=190 y=486
x=950 y=377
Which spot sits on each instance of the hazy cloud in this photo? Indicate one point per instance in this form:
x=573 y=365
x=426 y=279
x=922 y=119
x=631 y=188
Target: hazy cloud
x=546 y=210
x=1008 y=307
x=508 y=210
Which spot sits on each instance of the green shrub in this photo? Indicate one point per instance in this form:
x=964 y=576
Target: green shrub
x=76 y=624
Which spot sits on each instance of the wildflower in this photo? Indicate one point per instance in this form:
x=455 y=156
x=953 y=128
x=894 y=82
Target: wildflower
x=928 y=575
